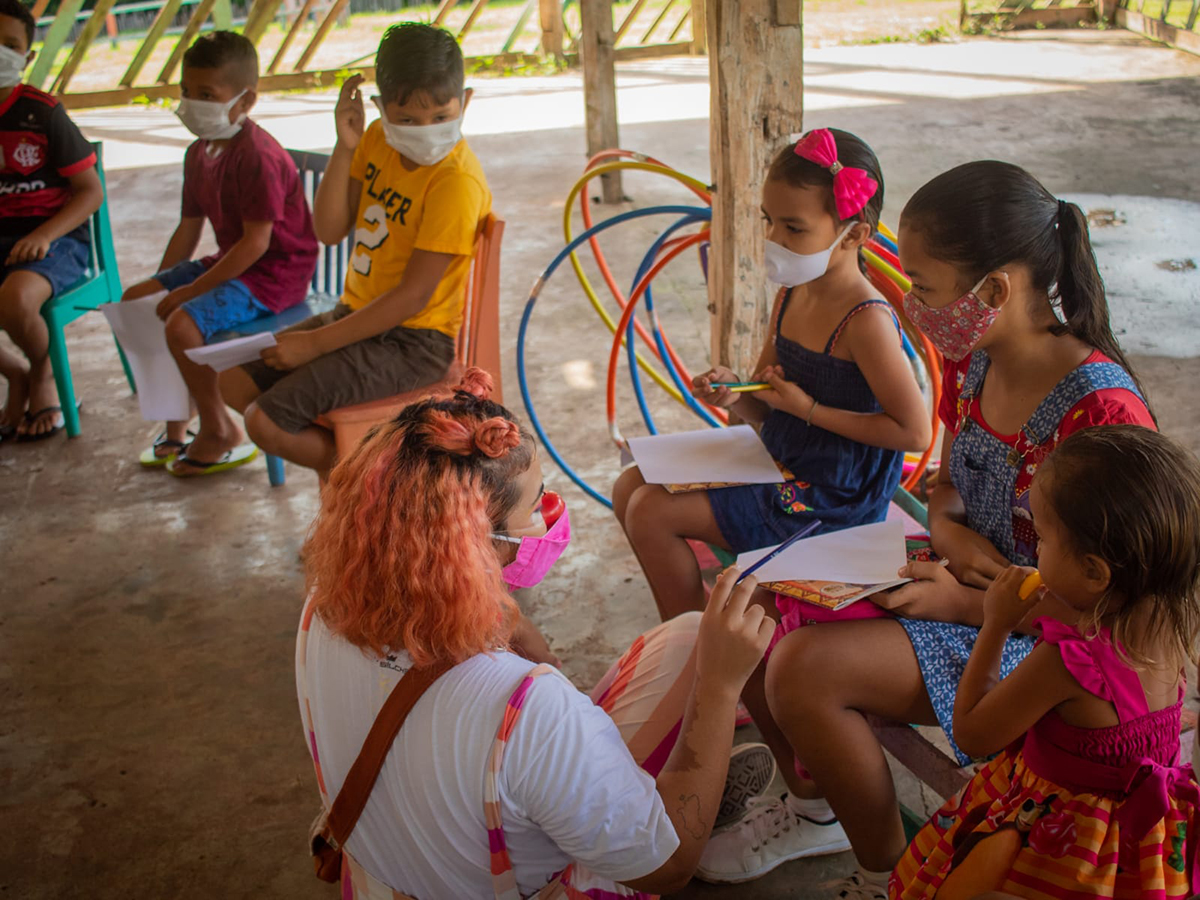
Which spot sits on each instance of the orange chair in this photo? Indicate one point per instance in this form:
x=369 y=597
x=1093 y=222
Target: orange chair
x=478 y=345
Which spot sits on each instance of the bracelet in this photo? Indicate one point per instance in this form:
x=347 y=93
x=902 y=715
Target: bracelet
x=811 y=410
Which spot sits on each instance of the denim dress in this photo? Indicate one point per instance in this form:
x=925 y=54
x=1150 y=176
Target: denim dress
x=839 y=481
x=984 y=471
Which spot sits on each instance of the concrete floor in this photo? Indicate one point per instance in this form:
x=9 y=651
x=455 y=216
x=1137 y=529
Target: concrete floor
x=149 y=743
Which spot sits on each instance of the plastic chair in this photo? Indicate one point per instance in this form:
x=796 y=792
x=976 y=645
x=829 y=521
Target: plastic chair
x=100 y=284
x=478 y=345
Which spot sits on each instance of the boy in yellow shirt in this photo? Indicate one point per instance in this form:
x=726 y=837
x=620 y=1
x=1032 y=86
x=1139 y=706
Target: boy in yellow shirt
x=415 y=195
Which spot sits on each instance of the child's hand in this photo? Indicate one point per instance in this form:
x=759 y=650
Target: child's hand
x=28 y=249
x=933 y=594
x=785 y=395
x=172 y=302
x=348 y=114
x=291 y=351
x=1002 y=604
x=702 y=387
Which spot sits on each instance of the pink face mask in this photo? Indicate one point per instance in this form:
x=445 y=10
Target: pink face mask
x=536 y=555
x=954 y=329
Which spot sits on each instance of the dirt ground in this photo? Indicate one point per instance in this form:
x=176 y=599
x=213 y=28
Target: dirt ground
x=149 y=739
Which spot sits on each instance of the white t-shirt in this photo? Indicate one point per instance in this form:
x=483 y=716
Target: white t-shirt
x=568 y=787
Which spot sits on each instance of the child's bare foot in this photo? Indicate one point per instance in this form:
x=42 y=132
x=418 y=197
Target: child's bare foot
x=16 y=372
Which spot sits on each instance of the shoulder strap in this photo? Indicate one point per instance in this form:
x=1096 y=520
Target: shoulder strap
x=1083 y=380
x=504 y=879
x=356 y=789
x=866 y=304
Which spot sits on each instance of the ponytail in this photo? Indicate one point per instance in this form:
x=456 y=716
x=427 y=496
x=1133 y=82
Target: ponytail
x=982 y=216
x=1080 y=291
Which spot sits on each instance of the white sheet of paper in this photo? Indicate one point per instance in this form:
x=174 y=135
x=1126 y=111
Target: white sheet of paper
x=866 y=554
x=161 y=392
x=713 y=454
x=228 y=354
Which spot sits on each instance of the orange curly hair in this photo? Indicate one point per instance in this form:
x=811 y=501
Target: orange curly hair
x=401 y=555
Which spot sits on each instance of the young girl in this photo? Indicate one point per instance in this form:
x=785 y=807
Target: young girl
x=1005 y=284
x=843 y=402
x=1089 y=798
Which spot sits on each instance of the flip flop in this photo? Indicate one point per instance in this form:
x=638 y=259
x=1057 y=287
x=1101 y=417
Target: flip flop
x=150 y=458
x=32 y=417
x=238 y=456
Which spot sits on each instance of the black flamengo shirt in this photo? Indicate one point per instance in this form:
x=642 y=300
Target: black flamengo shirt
x=40 y=149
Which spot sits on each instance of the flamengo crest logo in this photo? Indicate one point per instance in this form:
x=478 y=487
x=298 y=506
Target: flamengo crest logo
x=28 y=156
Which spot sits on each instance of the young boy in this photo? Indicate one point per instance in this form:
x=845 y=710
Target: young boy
x=239 y=178
x=415 y=195
x=48 y=189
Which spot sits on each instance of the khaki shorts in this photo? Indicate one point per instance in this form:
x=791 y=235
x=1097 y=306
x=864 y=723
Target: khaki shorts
x=399 y=360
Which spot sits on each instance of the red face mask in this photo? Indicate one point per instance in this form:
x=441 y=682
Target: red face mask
x=954 y=329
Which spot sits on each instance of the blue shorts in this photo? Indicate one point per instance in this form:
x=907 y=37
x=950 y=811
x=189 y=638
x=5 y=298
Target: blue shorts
x=226 y=306
x=65 y=263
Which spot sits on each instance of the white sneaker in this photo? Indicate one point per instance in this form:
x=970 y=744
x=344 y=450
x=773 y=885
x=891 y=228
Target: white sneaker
x=767 y=837
x=856 y=888
x=751 y=771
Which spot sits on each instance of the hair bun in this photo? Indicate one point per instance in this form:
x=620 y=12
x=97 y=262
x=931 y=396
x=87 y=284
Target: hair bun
x=477 y=383
x=496 y=436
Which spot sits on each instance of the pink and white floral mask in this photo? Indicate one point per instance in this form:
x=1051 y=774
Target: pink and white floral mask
x=537 y=555
x=954 y=329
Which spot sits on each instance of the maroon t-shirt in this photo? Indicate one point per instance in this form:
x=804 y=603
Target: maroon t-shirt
x=254 y=179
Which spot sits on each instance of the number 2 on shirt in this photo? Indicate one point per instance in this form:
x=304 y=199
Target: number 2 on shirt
x=370 y=238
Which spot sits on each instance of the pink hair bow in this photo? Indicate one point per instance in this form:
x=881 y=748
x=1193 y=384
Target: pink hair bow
x=852 y=187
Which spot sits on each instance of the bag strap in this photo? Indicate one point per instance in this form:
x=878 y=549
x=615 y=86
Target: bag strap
x=356 y=789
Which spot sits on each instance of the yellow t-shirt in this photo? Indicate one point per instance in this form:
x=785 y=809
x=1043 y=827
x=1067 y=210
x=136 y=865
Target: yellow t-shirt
x=437 y=208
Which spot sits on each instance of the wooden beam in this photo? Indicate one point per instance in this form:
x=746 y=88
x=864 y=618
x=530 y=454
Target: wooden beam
x=630 y=17
x=287 y=81
x=600 y=88
x=657 y=21
x=699 y=16
x=476 y=9
x=683 y=20
x=39 y=9
x=262 y=14
x=439 y=18
x=293 y=29
x=553 y=31
x=519 y=26
x=755 y=72
x=87 y=34
x=222 y=15
x=163 y=20
x=199 y=14
x=323 y=29
x=56 y=36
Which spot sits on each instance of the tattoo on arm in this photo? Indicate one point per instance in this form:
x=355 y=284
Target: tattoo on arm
x=691 y=817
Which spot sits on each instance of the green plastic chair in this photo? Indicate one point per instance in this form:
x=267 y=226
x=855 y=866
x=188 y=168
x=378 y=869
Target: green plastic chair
x=101 y=284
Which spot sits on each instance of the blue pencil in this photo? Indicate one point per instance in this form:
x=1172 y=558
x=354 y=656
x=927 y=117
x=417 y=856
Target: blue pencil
x=799 y=535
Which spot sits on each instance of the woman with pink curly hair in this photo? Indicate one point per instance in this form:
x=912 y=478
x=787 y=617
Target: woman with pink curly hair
x=500 y=783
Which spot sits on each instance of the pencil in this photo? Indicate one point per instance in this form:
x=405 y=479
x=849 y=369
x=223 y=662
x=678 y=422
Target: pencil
x=742 y=387
x=799 y=535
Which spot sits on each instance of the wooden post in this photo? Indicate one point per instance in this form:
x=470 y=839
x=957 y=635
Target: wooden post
x=166 y=14
x=295 y=27
x=552 y=28
x=699 y=27
x=600 y=87
x=262 y=14
x=756 y=76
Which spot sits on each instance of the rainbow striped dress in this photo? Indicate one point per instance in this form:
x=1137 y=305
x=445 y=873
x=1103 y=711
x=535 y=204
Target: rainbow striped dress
x=1069 y=812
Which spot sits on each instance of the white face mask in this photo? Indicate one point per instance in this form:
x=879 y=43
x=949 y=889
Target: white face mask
x=12 y=65
x=426 y=145
x=209 y=119
x=793 y=269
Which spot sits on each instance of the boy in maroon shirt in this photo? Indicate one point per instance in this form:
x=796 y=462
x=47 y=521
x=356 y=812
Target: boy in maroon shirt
x=239 y=178
x=48 y=189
